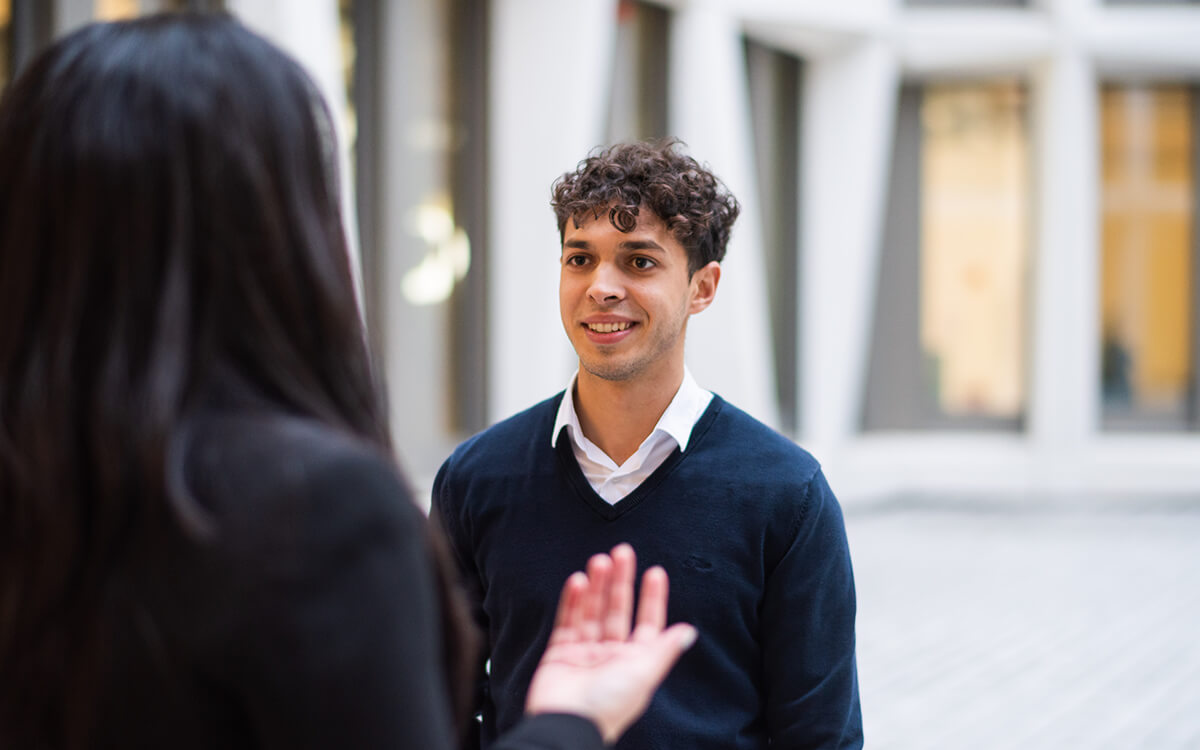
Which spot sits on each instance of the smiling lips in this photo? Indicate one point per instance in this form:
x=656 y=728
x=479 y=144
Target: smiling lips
x=608 y=327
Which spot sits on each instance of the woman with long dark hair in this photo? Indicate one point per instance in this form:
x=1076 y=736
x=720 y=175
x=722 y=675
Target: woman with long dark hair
x=204 y=540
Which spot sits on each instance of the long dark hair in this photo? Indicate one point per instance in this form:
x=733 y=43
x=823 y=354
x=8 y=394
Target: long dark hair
x=168 y=210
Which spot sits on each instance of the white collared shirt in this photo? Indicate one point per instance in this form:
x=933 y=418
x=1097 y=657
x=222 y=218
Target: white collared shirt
x=674 y=428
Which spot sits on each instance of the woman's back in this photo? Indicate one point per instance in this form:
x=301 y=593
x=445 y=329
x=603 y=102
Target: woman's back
x=309 y=587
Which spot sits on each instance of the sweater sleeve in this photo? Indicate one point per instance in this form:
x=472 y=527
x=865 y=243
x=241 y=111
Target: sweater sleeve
x=445 y=514
x=808 y=617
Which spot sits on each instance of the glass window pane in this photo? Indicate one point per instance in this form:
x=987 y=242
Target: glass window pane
x=6 y=47
x=349 y=50
x=774 y=88
x=115 y=10
x=638 y=98
x=948 y=344
x=974 y=240
x=1146 y=295
x=420 y=174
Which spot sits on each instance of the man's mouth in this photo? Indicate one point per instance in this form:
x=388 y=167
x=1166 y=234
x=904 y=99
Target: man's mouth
x=607 y=327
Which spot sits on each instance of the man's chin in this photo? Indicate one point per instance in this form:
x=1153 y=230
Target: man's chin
x=612 y=371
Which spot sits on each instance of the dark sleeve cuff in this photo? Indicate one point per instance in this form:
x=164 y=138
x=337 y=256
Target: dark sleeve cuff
x=552 y=732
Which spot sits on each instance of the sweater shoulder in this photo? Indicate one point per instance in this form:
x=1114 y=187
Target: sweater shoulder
x=773 y=482
x=745 y=441
x=509 y=441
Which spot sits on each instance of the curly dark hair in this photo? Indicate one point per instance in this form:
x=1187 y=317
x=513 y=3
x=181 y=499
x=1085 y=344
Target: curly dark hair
x=697 y=208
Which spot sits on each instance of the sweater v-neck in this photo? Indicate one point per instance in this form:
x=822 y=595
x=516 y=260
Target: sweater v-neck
x=612 y=511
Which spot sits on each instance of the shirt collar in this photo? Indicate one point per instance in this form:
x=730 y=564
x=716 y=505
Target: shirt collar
x=677 y=421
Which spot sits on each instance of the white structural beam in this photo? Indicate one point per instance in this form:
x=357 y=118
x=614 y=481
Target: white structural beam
x=849 y=110
x=813 y=28
x=1064 y=393
x=1158 y=41
x=948 y=43
x=728 y=347
x=1064 y=399
x=548 y=99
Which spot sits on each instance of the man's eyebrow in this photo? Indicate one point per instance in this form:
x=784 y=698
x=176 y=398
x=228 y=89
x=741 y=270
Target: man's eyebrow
x=626 y=245
x=641 y=245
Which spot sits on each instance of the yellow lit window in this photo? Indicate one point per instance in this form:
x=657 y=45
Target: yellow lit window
x=974 y=221
x=1146 y=289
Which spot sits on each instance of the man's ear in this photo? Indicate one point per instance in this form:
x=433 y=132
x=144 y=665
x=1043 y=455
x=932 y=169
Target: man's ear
x=704 y=287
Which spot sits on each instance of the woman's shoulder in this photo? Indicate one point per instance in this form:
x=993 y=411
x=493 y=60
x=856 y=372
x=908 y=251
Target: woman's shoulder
x=263 y=474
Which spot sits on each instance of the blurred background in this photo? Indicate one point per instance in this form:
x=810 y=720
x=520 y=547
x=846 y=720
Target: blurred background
x=966 y=278
x=968 y=257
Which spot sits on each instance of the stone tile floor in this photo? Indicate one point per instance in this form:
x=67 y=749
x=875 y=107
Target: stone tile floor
x=1040 y=624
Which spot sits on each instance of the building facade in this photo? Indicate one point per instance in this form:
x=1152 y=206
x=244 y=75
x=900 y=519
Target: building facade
x=968 y=261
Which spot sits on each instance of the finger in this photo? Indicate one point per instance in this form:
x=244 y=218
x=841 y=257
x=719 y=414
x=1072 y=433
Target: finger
x=570 y=609
x=652 y=605
x=595 y=600
x=618 y=618
x=669 y=645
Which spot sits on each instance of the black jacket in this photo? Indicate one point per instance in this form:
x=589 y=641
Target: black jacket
x=300 y=610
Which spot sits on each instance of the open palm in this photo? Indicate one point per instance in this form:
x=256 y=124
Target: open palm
x=595 y=665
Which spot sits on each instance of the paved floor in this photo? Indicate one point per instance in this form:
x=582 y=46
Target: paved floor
x=1040 y=625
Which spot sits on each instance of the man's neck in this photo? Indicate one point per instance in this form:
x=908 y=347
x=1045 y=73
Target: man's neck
x=619 y=415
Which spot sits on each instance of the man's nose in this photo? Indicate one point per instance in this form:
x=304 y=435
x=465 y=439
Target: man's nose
x=606 y=285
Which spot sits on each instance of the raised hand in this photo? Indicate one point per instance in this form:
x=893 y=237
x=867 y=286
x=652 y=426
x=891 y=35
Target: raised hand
x=594 y=665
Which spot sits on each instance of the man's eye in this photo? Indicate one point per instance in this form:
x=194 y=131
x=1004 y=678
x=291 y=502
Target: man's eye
x=576 y=260
x=642 y=264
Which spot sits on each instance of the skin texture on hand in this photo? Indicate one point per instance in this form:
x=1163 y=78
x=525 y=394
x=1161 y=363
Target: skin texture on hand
x=595 y=665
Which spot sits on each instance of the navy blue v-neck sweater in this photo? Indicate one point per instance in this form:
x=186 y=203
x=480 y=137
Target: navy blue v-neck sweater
x=748 y=531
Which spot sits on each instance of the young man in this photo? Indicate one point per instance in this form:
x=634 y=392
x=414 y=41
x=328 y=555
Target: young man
x=635 y=451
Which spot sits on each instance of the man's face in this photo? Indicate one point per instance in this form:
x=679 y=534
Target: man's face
x=625 y=297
